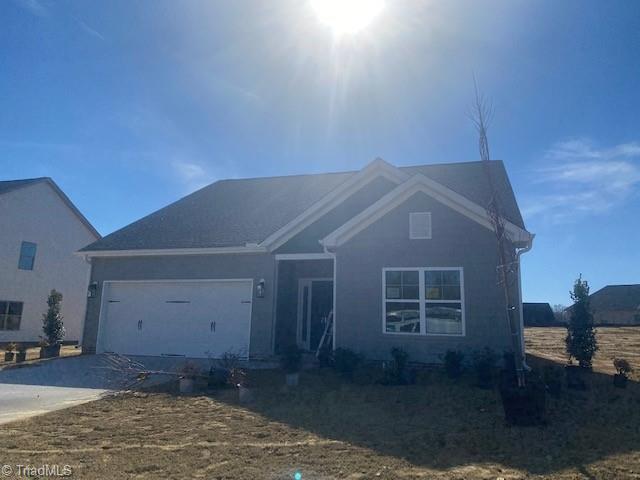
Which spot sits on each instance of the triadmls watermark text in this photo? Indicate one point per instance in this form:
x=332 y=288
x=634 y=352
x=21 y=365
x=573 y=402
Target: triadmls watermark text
x=36 y=471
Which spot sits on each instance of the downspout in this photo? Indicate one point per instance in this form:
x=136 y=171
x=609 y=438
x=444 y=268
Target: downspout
x=87 y=259
x=274 y=307
x=518 y=254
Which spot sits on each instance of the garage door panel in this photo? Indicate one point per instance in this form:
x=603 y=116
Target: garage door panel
x=194 y=319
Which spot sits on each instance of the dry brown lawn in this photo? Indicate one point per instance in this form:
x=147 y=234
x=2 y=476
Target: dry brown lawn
x=621 y=342
x=330 y=429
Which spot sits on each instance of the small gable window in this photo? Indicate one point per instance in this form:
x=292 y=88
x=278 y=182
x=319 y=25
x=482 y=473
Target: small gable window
x=419 y=225
x=27 y=256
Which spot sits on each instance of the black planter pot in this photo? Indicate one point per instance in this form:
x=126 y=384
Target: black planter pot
x=576 y=377
x=620 y=380
x=21 y=357
x=523 y=406
x=50 y=351
x=8 y=356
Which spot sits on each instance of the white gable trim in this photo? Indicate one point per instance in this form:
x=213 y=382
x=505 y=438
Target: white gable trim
x=393 y=199
x=375 y=169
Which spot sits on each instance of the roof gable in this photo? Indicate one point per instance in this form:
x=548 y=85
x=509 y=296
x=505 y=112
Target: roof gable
x=415 y=184
x=616 y=297
x=376 y=169
x=7 y=186
x=306 y=241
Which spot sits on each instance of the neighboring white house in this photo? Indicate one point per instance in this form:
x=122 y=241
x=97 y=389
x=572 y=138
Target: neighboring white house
x=41 y=230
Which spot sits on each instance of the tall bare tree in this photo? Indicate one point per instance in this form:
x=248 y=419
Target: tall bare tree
x=507 y=268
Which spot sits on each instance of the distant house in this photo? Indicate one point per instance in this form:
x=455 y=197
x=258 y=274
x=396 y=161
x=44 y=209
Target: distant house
x=41 y=230
x=538 y=315
x=616 y=305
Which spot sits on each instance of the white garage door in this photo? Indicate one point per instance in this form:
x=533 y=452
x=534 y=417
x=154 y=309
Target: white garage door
x=188 y=318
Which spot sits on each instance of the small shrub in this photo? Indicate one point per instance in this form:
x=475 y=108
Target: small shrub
x=291 y=359
x=52 y=324
x=484 y=364
x=345 y=362
x=397 y=372
x=581 y=341
x=218 y=378
x=622 y=366
x=229 y=361
x=624 y=369
x=10 y=348
x=453 y=363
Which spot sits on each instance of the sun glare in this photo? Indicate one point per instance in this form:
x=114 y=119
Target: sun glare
x=347 y=16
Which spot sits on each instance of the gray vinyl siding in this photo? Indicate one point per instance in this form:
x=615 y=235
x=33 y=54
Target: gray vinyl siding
x=190 y=267
x=307 y=241
x=456 y=242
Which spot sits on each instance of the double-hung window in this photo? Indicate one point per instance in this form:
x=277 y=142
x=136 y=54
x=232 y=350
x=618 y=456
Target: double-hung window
x=27 y=256
x=10 y=315
x=402 y=301
x=423 y=301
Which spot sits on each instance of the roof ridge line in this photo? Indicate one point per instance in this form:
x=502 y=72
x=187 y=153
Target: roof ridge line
x=343 y=172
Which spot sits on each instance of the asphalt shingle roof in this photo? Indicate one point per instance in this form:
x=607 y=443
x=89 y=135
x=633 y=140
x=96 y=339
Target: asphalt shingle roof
x=236 y=212
x=537 y=314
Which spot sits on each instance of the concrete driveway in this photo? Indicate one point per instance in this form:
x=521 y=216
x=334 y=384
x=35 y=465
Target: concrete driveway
x=63 y=382
x=52 y=385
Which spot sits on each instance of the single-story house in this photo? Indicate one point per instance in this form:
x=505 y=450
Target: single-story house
x=42 y=230
x=538 y=314
x=373 y=259
x=614 y=305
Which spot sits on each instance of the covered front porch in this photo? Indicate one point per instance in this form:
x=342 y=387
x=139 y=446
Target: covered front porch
x=304 y=301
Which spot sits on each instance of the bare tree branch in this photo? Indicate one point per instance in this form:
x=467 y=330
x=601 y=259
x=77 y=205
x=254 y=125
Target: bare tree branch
x=507 y=267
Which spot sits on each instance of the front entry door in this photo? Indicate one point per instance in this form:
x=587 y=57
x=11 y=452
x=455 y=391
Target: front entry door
x=315 y=301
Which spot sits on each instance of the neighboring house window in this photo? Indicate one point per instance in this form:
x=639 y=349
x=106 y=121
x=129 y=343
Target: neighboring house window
x=423 y=301
x=27 y=256
x=419 y=225
x=10 y=315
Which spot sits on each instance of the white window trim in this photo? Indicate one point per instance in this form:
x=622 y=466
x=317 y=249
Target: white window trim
x=413 y=215
x=423 y=301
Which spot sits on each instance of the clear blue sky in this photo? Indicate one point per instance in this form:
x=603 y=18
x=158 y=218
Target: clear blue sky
x=131 y=105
